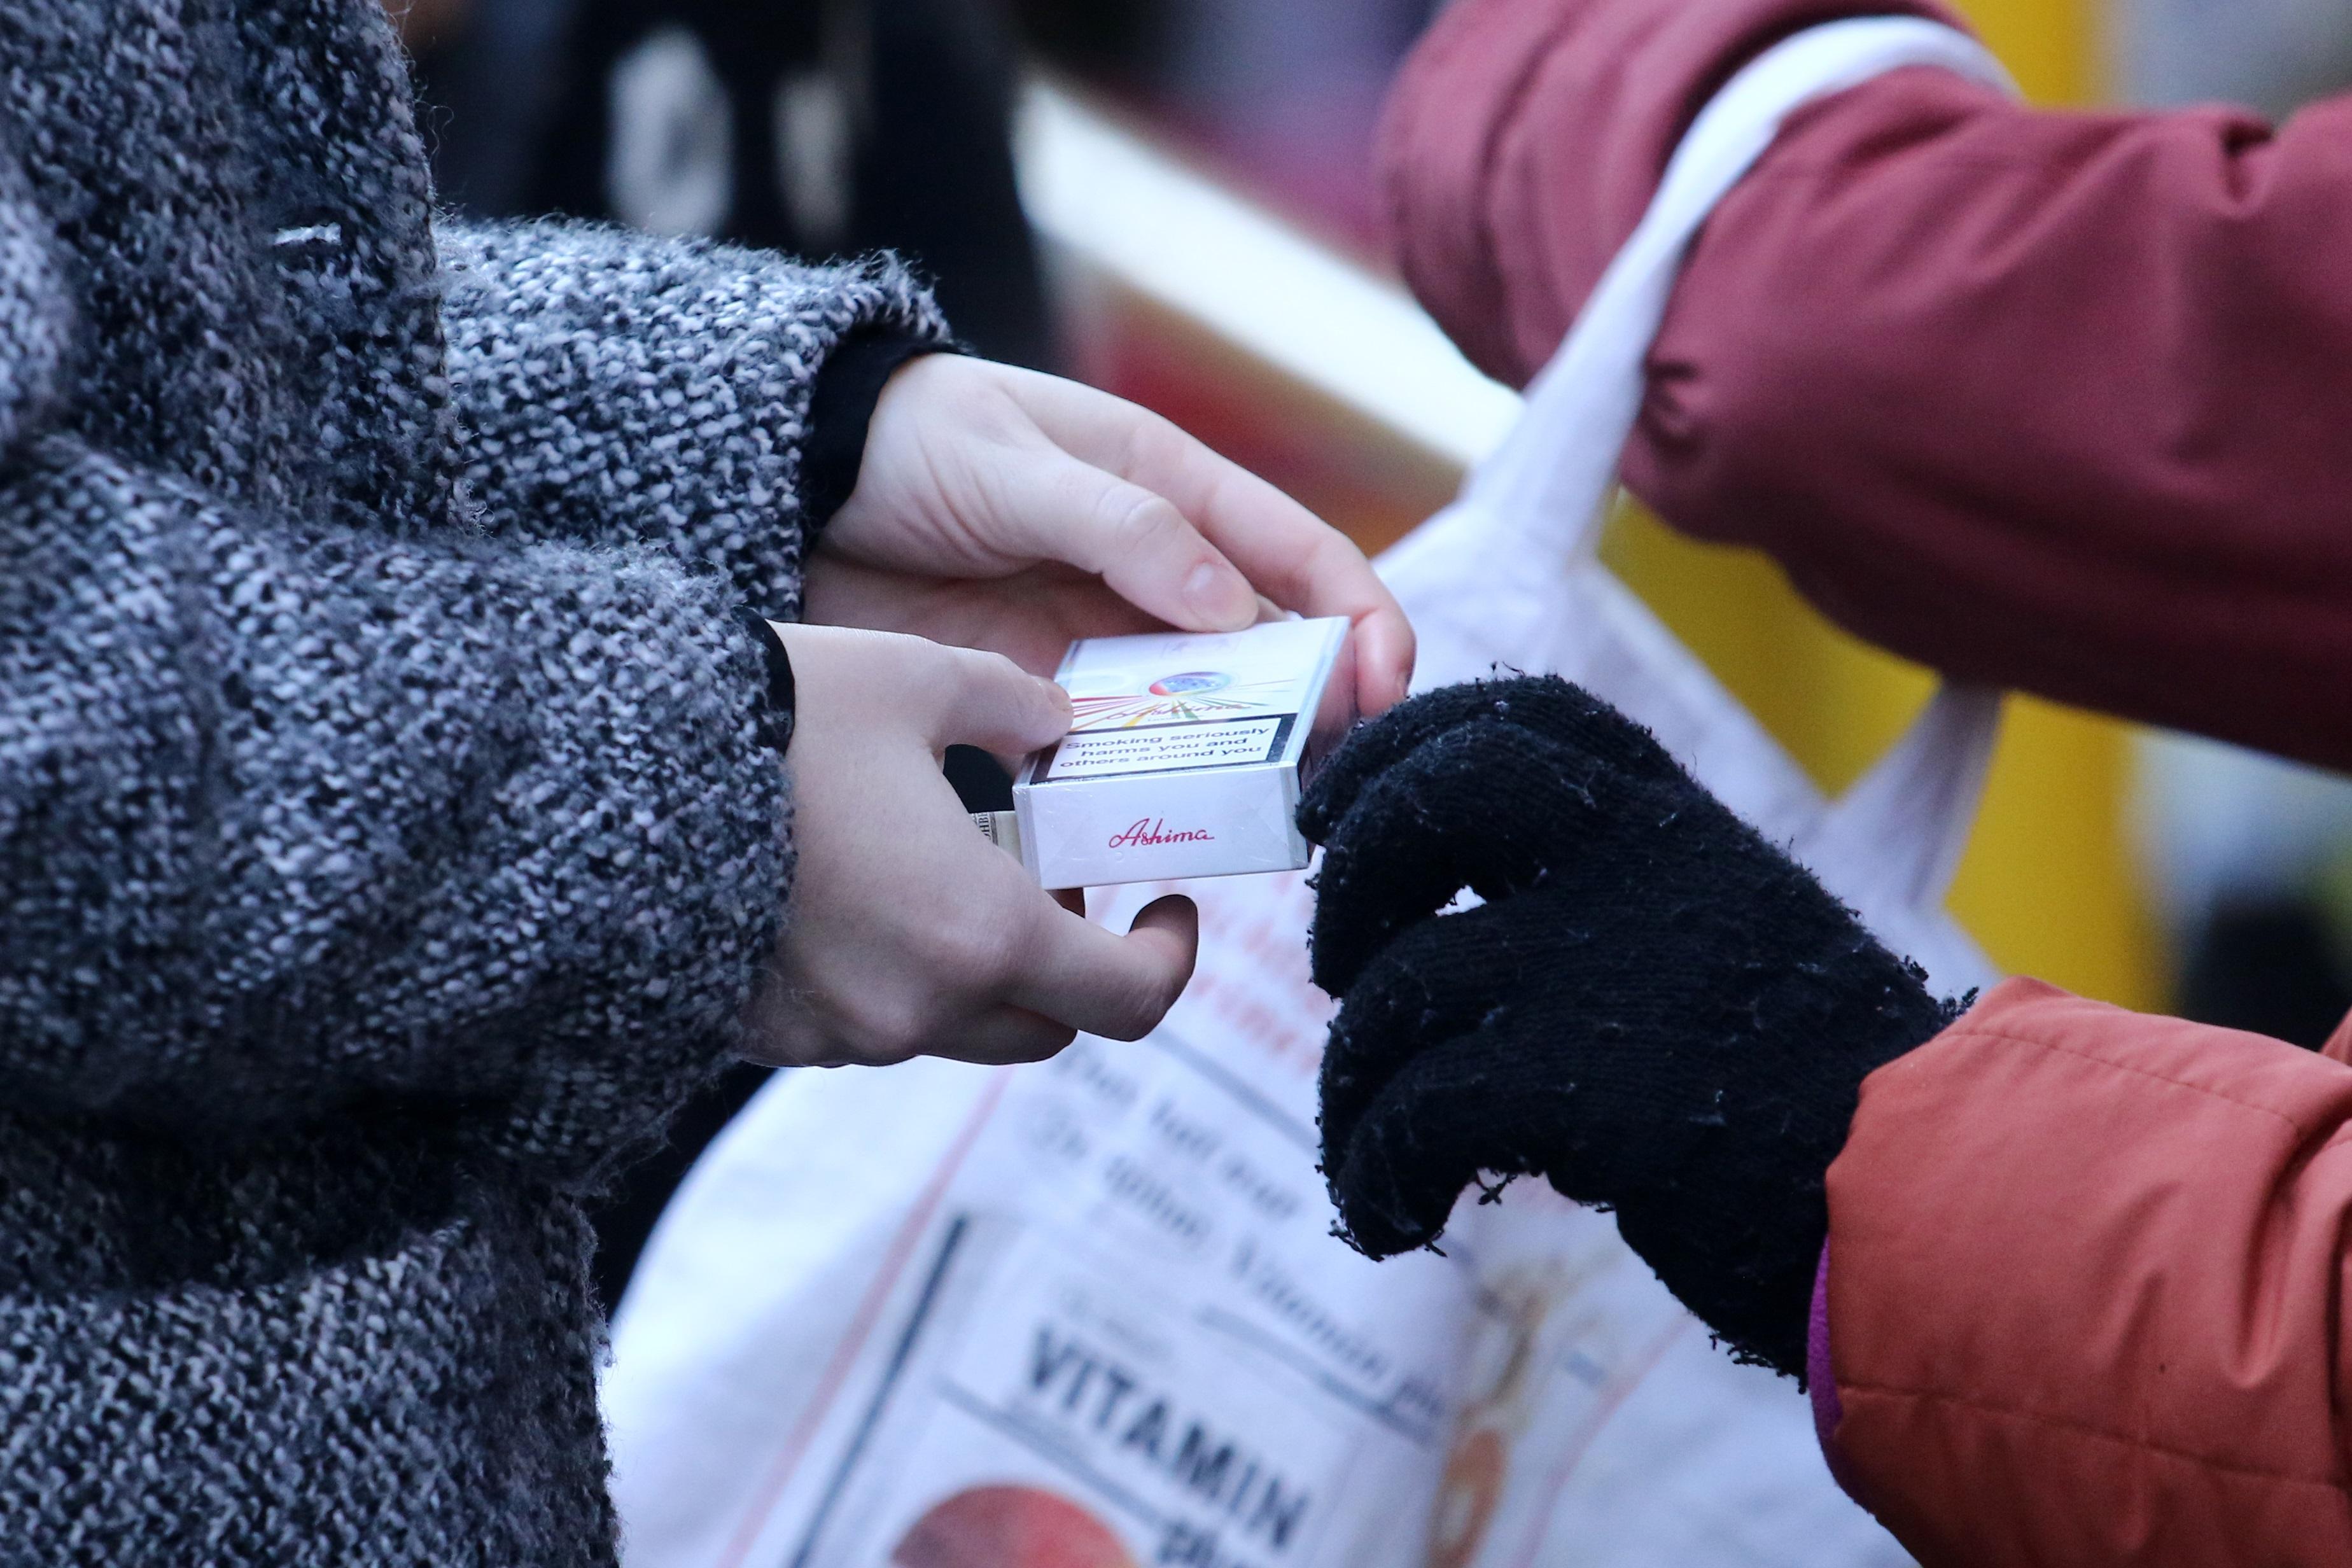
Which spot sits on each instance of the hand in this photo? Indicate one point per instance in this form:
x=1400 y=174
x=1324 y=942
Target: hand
x=1000 y=509
x=1654 y=1007
x=909 y=933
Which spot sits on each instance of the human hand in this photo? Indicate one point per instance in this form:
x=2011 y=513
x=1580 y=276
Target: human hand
x=1000 y=509
x=910 y=933
x=1654 y=1007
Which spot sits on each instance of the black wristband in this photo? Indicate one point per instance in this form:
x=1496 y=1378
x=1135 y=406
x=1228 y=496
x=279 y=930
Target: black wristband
x=778 y=699
x=841 y=410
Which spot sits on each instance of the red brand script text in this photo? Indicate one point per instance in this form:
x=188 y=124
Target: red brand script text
x=1148 y=831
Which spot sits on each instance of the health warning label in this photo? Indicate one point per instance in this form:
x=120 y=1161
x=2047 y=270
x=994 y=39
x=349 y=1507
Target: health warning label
x=1108 y=753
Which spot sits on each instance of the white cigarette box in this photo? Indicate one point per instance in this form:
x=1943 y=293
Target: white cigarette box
x=1186 y=756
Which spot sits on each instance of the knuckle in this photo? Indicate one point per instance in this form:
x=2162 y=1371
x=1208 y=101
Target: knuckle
x=1135 y=517
x=968 y=955
x=889 y=1026
x=1152 y=445
x=784 y=1043
x=1042 y=1046
x=1329 y=561
x=993 y=669
x=980 y=675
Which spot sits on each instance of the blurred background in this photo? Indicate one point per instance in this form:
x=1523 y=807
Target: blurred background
x=1087 y=179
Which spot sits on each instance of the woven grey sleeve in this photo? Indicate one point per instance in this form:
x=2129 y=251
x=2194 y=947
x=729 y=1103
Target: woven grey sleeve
x=291 y=821
x=614 y=387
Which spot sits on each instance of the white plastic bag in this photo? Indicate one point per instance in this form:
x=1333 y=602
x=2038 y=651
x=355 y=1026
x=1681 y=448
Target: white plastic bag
x=1087 y=1313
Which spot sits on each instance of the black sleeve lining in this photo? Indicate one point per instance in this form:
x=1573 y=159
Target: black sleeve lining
x=778 y=700
x=841 y=408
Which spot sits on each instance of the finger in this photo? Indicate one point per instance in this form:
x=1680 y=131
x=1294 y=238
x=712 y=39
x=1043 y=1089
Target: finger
x=1488 y=806
x=1135 y=539
x=1001 y=1036
x=1301 y=563
x=985 y=699
x=1543 y=703
x=1377 y=746
x=1286 y=552
x=1442 y=1119
x=1437 y=979
x=1116 y=986
x=1385 y=650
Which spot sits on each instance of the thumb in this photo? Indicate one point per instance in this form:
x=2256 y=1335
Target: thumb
x=1116 y=986
x=989 y=701
x=1135 y=539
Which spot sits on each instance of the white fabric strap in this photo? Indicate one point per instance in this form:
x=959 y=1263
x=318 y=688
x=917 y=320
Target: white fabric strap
x=1594 y=384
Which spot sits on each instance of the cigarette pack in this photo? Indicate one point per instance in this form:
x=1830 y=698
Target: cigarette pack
x=1186 y=755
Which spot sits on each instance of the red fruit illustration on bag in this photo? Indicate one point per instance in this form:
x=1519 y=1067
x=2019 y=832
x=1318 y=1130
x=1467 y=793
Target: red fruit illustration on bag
x=1010 y=1527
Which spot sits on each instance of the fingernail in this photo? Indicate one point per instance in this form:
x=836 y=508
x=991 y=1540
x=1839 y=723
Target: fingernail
x=1221 y=597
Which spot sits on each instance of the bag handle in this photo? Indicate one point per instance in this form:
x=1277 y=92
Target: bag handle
x=1897 y=834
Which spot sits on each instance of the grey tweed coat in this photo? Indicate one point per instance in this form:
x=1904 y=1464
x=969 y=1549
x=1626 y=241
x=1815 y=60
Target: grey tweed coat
x=384 y=840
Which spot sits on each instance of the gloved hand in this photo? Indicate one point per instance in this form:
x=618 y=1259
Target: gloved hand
x=1654 y=1007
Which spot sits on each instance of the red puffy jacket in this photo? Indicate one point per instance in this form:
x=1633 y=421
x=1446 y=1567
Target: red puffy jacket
x=2057 y=401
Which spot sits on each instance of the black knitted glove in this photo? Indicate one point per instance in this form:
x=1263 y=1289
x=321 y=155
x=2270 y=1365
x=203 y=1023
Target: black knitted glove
x=1654 y=1008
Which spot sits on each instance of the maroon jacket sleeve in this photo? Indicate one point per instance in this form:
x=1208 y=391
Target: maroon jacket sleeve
x=2057 y=401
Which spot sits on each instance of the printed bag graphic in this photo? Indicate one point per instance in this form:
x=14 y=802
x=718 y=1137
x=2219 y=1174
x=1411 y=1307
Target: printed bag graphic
x=1087 y=1313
